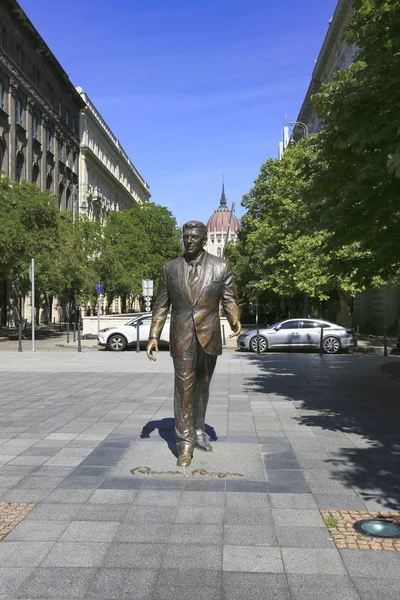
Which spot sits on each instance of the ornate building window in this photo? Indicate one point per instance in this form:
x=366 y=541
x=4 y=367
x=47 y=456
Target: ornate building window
x=50 y=93
x=48 y=140
x=60 y=195
x=73 y=124
x=36 y=77
x=19 y=166
x=67 y=198
x=20 y=57
x=35 y=126
x=67 y=116
x=219 y=252
x=60 y=150
x=18 y=111
x=3 y=38
x=49 y=181
x=35 y=172
x=2 y=151
x=60 y=109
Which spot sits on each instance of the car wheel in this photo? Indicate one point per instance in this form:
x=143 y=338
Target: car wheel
x=117 y=342
x=331 y=345
x=263 y=344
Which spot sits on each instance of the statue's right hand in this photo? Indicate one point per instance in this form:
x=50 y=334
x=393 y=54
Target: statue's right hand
x=152 y=345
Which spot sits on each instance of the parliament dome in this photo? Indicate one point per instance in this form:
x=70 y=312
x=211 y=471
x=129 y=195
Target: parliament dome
x=222 y=227
x=222 y=218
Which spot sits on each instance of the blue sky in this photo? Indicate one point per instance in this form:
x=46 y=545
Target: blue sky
x=193 y=89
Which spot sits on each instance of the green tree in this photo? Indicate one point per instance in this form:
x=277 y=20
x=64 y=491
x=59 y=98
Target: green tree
x=136 y=243
x=359 y=189
x=70 y=271
x=282 y=247
x=28 y=229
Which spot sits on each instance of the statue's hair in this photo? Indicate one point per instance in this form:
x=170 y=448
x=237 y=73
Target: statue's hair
x=196 y=225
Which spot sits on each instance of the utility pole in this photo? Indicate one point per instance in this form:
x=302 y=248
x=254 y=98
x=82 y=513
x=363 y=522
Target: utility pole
x=32 y=278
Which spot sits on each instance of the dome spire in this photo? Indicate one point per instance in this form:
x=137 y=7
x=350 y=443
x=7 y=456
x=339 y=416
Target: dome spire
x=222 y=203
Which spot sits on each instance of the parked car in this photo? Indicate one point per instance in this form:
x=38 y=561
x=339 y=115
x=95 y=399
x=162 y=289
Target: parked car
x=119 y=337
x=298 y=333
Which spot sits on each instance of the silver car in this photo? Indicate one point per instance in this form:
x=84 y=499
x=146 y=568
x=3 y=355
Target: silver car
x=298 y=333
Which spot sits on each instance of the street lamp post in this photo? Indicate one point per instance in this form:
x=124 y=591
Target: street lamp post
x=305 y=136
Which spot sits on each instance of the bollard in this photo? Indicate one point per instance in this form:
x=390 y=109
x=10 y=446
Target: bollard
x=223 y=336
x=321 y=341
x=384 y=342
x=67 y=333
x=20 y=338
x=74 y=332
x=54 y=322
x=79 y=339
x=137 y=338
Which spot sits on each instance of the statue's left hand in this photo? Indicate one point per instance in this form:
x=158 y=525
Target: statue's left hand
x=236 y=329
x=152 y=345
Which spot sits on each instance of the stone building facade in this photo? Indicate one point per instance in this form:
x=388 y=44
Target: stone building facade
x=222 y=227
x=39 y=110
x=108 y=180
x=39 y=116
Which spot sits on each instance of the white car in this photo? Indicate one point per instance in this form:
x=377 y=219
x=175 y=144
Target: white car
x=119 y=337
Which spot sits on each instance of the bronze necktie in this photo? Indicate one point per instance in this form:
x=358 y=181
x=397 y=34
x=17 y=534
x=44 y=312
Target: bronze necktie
x=193 y=274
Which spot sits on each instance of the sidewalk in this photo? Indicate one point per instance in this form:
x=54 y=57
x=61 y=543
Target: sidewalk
x=88 y=439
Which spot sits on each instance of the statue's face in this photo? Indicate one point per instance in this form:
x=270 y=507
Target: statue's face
x=193 y=241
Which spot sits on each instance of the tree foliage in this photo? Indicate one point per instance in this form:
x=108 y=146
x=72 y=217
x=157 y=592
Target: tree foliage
x=283 y=248
x=326 y=218
x=71 y=257
x=136 y=243
x=29 y=222
x=360 y=143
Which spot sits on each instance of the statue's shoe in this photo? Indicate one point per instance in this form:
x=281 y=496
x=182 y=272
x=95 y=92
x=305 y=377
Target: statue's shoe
x=184 y=459
x=202 y=442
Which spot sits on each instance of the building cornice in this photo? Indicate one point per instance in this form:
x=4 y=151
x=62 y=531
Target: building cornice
x=318 y=77
x=88 y=152
x=92 y=111
x=36 y=98
x=42 y=49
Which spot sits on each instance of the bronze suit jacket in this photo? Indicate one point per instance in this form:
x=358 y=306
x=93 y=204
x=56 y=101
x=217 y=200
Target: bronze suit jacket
x=195 y=312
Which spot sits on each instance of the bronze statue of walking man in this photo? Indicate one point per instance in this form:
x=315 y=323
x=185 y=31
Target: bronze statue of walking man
x=193 y=285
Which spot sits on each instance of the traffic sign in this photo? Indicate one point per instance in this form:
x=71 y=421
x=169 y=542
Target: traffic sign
x=147 y=285
x=99 y=288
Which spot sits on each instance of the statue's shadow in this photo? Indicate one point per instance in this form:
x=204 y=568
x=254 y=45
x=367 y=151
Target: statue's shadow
x=166 y=431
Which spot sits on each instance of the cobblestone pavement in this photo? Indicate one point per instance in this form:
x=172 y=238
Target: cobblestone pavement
x=293 y=435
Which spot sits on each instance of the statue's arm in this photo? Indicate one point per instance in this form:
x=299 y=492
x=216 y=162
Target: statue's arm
x=160 y=312
x=230 y=302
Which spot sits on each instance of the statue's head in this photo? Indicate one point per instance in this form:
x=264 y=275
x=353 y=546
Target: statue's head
x=194 y=238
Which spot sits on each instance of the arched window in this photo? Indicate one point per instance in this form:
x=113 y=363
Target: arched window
x=60 y=195
x=35 y=126
x=67 y=198
x=2 y=151
x=49 y=181
x=219 y=252
x=19 y=166
x=35 y=172
x=48 y=140
x=18 y=111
